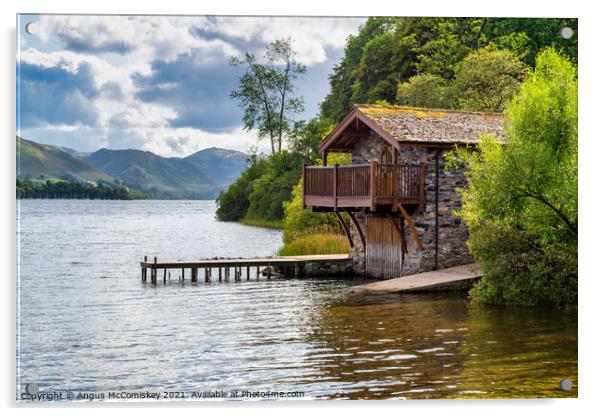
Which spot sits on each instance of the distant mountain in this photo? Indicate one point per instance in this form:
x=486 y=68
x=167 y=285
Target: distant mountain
x=41 y=161
x=147 y=171
x=201 y=175
x=74 y=152
x=225 y=165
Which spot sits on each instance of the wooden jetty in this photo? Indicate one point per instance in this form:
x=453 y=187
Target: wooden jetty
x=459 y=277
x=224 y=266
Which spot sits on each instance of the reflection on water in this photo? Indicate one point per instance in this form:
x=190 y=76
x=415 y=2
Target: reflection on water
x=439 y=346
x=87 y=323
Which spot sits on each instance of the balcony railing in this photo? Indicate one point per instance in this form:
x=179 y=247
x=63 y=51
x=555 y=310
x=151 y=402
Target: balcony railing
x=367 y=185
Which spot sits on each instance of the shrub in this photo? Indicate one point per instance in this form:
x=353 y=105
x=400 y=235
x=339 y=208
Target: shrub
x=426 y=90
x=486 y=80
x=521 y=201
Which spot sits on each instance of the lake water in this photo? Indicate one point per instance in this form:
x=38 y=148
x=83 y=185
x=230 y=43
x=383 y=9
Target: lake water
x=87 y=324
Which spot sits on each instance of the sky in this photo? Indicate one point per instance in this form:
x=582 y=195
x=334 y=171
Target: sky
x=156 y=83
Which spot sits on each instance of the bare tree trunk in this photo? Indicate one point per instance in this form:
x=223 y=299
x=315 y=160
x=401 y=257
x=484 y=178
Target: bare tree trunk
x=283 y=102
x=266 y=106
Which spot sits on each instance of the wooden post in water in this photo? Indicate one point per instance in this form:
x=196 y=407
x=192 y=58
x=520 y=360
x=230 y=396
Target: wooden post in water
x=248 y=272
x=220 y=273
x=154 y=272
x=193 y=273
x=257 y=272
x=164 y=276
x=182 y=274
x=144 y=269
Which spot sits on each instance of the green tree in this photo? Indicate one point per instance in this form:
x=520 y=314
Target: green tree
x=425 y=90
x=232 y=204
x=266 y=91
x=487 y=79
x=391 y=50
x=307 y=136
x=521 y=201
x=274 y=187
x=525 y=37
x=339 y=101
x=376 y=77
x=440 y=43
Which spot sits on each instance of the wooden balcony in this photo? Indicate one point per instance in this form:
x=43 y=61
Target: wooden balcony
x=370 y=186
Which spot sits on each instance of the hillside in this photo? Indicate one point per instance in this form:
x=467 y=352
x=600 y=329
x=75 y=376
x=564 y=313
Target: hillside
x=201 y=175
x=40 y=161
x=147 y=171
x=198 y=176
x=74 y=152
x=225 y=165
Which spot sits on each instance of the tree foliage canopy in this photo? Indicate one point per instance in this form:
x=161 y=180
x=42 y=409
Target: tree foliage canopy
x=389 y=51
x=487 y=79
x=266 y=91
x=425 y=91
x=524 y=233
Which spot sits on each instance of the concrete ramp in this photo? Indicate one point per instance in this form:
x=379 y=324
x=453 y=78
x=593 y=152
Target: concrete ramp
x=454 y=278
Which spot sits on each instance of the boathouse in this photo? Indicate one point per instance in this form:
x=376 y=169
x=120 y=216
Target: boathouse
x=398 y=194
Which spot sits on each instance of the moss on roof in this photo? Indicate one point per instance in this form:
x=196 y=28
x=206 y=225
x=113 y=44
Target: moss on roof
x=412 y=124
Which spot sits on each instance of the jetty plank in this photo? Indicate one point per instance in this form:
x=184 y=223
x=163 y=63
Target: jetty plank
x=236 y=263
x=452 y=277
x=233 y=262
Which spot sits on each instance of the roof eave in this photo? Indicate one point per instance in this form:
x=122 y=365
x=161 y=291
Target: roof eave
x=353 y=115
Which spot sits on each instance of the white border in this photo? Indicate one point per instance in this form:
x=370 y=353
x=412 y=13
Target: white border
x=589 y=190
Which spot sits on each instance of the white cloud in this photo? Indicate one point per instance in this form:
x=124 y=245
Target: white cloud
x=116 y=48
x=142 y=37
x=311 y=35
x=185 y=141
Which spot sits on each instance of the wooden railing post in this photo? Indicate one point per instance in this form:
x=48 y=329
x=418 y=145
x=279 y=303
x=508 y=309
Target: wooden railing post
x=373 y=185
x=303 y=185
x=421 y=179
x=335 y=183
x=394 y=192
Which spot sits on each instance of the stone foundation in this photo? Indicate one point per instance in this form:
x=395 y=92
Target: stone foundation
x=319 y=268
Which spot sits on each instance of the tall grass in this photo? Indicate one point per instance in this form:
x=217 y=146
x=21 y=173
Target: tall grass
x=315 y=244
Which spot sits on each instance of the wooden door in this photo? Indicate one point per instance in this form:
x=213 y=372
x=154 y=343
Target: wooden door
x=385 y=172
x=384 y=259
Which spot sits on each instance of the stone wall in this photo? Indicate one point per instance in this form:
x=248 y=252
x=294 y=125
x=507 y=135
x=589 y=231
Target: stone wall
x=318 y=268
x=452 y=250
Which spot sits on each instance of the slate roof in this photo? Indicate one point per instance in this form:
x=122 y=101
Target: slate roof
x=411 y=124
